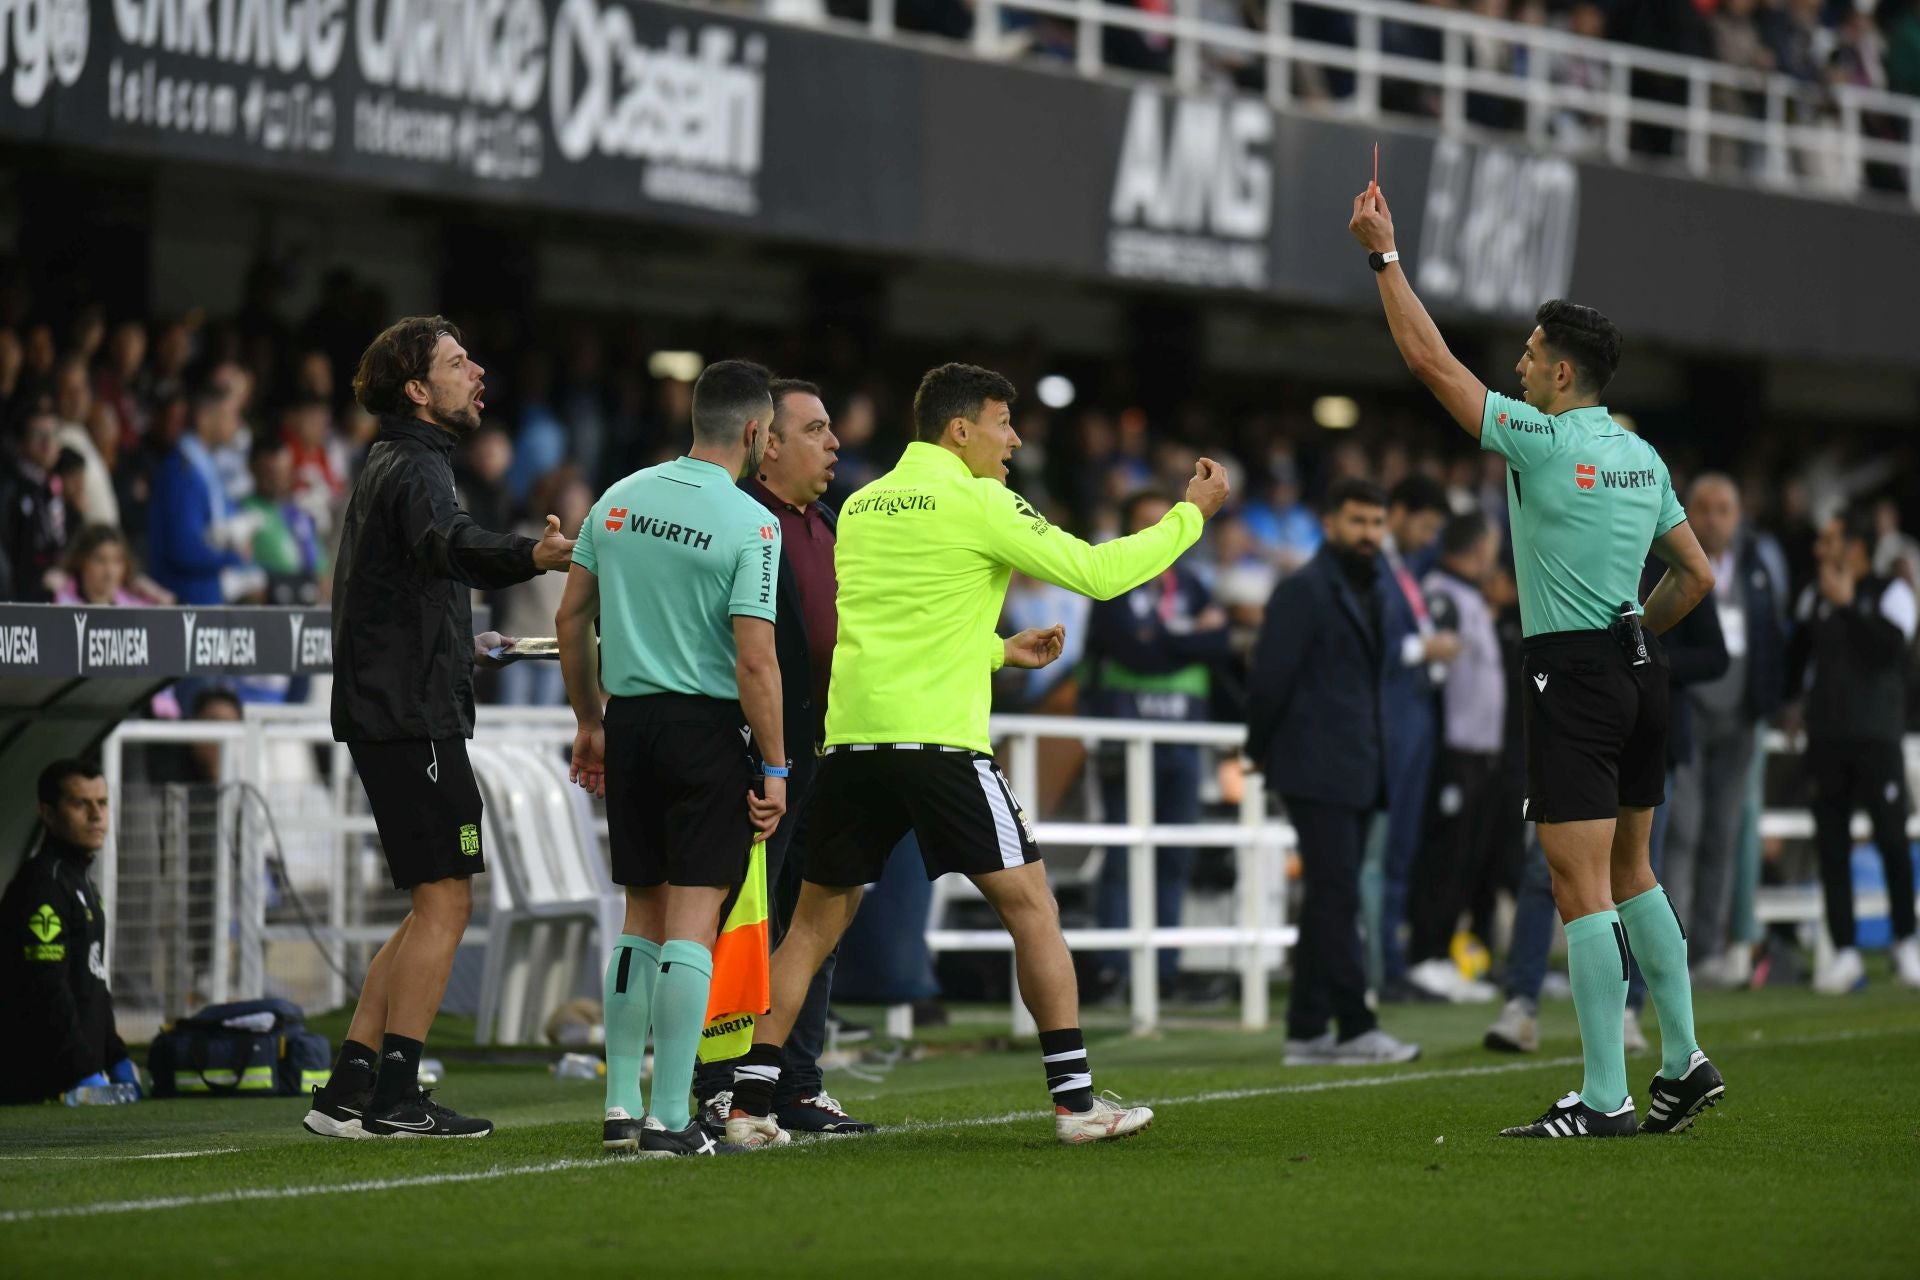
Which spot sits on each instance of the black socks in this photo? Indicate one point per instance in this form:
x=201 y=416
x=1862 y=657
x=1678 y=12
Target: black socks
x=1069 y=1079
x=399 y=1070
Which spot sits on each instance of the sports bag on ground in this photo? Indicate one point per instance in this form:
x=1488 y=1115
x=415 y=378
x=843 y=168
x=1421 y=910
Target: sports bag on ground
x=248 y=1049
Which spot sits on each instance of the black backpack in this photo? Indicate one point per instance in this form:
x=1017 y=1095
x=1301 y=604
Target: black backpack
x=247 y=1049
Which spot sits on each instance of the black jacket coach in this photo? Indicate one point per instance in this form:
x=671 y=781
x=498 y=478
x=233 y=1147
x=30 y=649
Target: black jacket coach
x=402 y=616
x=1313 y=707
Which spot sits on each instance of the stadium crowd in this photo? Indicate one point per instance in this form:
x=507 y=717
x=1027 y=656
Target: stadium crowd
x=205 y=460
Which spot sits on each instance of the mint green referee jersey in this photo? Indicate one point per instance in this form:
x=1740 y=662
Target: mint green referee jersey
x=1586 y=499
x=680 y=552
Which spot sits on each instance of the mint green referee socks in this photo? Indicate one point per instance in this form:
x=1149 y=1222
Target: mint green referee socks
x=1661 y=948
x=631 y=972
x=1597 y=970
x=679 y=1015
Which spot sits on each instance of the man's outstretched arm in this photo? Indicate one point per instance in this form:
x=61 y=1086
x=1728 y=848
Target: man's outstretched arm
x=1421 y=346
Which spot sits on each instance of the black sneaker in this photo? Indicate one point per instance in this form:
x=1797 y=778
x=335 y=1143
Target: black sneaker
x=694 y=1140
x=621 y=1132
x=1572 y=1118
x=1675 y=1104
x=421 y=1117
x=819 y=1116
x=337 y=1113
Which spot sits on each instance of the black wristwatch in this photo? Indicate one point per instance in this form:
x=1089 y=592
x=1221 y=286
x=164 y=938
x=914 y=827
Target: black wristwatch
x=1379 y=261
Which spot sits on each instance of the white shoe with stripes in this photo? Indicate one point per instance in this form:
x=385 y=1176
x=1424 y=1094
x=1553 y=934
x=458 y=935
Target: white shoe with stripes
x=1572 y=1118
x=1109 y=1120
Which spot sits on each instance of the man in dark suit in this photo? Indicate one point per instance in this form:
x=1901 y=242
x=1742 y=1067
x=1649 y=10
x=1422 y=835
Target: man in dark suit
x=1313 y=726
x=793 y=476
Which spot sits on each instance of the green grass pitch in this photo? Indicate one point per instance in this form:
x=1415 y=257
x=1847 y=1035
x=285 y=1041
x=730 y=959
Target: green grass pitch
x=1811 y=1167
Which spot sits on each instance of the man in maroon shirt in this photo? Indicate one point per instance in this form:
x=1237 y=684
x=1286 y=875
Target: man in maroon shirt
x=797 y=469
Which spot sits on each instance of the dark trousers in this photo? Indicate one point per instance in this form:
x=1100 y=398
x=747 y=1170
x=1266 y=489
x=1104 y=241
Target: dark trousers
x=1848 y=776
x=786 y=862
x=1329 y=979
x=1453 y=858
x=1410 y=742
x=1176 y=802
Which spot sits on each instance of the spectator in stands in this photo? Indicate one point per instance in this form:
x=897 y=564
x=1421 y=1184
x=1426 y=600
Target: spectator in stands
x=1737 y=42
x=540 y=444
x=1896 y=553
x=481 y=475
x=318 y=460
x=1794 y=35
x=119 y=373
x=1313 y=726
x=1419 y=41
x=1461 y=821
x=164 y=375
x=54 y=1000
x=73 y=405
x=1149 y=656
x=33 y=518
x=1670 y=26
x=99 y=571
x=286 y=545
x=230 y=458
x=1709 y=789
x=12 y=361
x=192 y=539
x=1854 y=629
x=1415 y=666
x=1282 y=521
x=1135 y=50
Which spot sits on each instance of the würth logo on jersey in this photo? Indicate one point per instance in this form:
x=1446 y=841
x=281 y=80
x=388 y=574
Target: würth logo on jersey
x=616 y=517
x=1583 y=474
x=766 y=531
x=1502 y=419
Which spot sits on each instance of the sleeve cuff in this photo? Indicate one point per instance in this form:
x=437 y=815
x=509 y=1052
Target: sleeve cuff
x=998 y=658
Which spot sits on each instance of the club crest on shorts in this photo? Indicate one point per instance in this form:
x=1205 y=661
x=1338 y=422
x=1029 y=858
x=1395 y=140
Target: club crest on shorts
x=1583 y=474
x=616 y=516
x=470 y=838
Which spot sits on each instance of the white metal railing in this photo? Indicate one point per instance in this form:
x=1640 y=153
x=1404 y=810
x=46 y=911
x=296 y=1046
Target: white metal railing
x=1573 y=93
x=1259 y=937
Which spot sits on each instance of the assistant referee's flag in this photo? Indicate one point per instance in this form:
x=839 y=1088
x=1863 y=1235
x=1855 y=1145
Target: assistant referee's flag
x=742 y=972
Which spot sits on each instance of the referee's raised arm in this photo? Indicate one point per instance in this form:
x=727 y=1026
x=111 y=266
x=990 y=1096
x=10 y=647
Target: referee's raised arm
x=1414 y=332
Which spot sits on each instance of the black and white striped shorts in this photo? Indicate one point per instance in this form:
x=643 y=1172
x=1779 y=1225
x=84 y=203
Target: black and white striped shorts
x=867 y=796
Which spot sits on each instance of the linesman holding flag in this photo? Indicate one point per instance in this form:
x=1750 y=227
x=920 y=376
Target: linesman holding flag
x=1586 y=499
x=679 y=567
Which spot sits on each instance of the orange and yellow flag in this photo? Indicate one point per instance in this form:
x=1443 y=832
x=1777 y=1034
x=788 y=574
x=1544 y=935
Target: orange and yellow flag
x=742 y=972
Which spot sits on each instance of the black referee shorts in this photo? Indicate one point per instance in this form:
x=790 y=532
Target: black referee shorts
x=1596 y=726
x=426 y=804
x=678 y=771
x=867 y=796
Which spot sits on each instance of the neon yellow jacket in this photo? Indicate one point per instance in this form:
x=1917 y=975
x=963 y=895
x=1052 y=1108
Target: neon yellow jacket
x=923 y=558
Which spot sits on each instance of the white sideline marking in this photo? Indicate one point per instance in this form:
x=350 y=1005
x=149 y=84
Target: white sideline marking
x=150 y=1155
x=241 y=1194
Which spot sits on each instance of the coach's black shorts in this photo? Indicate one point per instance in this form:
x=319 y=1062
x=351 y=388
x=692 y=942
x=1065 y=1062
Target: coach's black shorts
x=427 y=806
x=1596 y=726
x=866 y=797
x=678 y=771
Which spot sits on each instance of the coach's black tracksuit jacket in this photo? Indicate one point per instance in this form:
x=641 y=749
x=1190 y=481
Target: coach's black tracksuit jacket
x=402 y=616
x=54 y=1002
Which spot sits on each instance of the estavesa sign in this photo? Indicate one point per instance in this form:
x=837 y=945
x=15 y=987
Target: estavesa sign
x=1193 y=191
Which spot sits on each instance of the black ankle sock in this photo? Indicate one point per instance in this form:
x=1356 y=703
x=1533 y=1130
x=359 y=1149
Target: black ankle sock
x=1069 y=1079
x=754 y=1078
x=399 y=1070
x=354 y=1068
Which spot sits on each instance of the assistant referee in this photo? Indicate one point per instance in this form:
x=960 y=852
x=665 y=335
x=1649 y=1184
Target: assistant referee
x=679 y=567
x=1586 y=499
